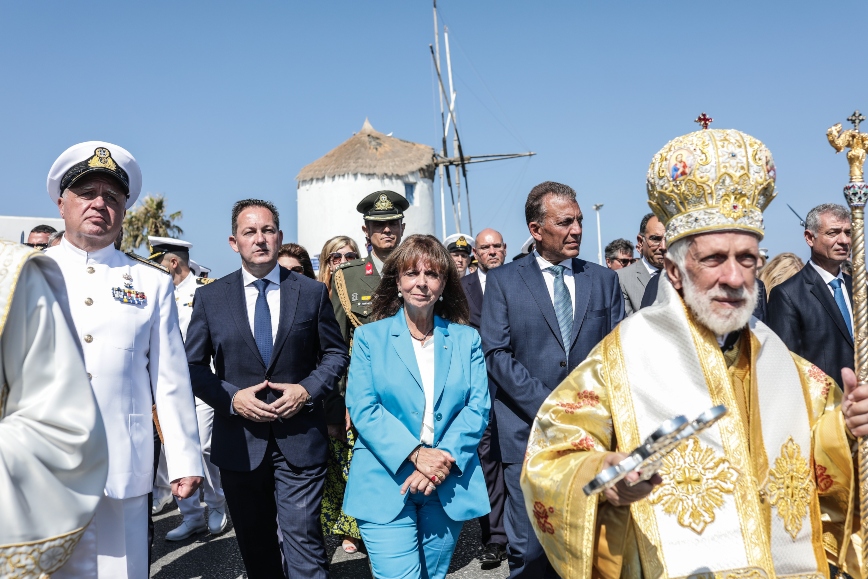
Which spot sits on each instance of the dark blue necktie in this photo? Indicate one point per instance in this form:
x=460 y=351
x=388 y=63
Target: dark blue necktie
x=842 y=305
x=262 y=322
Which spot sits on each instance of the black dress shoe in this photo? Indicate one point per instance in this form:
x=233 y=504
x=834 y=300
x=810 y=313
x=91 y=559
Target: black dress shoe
x=492 y=555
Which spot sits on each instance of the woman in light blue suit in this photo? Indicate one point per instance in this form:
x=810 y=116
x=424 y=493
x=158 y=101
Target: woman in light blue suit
x=418 y=396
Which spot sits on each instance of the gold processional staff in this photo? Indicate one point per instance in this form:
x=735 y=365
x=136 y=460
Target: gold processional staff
x=856 y=193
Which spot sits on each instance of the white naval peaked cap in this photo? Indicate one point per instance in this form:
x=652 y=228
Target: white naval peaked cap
x=526 y=246
x=459 y=241
x=95 y=156
x=170 y=241
x=197 y=269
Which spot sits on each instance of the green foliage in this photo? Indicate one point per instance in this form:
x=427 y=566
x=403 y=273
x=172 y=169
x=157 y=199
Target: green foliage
x=149 y=218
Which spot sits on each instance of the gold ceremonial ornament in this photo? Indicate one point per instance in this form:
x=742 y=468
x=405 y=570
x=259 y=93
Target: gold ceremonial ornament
x=649 y=457
x=856 y=192
x=383 y=203
x=102 y=157
x=711 y=180
x=461 y=242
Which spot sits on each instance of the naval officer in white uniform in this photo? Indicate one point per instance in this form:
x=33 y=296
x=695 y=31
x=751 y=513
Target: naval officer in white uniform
x=126 y=319
x=174 y=255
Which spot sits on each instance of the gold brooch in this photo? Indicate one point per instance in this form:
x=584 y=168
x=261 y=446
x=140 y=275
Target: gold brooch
x=383 y=203
x=102 y=157
x=694 y=482
x=791 y=487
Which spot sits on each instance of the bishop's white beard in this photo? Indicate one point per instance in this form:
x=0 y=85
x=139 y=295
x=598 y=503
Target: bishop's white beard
x=720 y=322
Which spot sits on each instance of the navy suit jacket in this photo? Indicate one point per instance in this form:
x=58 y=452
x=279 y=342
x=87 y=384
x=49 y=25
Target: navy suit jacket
x=760 y=312
x=524 y=351
x=308 y=350
x=473 y=291
x=803 y=313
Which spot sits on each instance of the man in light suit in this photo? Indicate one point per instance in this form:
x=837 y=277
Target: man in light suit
x=542 y=315
x=490 y=250
x=812 y=312
x=278 y=352
x=634 y=277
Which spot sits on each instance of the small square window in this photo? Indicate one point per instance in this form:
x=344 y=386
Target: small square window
x=410 y=192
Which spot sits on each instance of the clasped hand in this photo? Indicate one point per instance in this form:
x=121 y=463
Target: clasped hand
x=432 y=468
x=292 y=400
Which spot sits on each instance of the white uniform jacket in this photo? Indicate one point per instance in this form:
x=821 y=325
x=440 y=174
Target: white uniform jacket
x=126 y=319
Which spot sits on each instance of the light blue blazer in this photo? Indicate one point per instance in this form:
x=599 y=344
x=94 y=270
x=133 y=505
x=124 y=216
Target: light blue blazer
x=386 y=403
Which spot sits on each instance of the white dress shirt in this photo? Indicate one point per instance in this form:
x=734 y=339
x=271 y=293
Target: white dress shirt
x=482 y=276
x=827 y=278
x=425 y=361
x=272 y=296
x=549 y=278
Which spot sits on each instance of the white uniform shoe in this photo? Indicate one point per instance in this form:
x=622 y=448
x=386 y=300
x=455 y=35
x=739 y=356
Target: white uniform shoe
x=159 y=504
x=186 y=529
x=217 y=521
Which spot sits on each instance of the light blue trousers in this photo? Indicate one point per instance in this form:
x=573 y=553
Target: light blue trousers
x=418 y=544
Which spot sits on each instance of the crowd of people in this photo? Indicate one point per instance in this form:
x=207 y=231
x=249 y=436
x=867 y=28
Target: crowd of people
x=403 y=390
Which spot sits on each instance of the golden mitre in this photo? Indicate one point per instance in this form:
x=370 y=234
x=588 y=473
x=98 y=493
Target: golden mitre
x=711 y=180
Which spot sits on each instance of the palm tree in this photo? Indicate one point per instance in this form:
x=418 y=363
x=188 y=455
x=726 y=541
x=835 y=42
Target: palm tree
x=149 y=218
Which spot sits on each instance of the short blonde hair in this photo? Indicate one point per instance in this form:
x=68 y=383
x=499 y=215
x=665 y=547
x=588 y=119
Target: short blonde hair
x=331 y=246
x=779 y=269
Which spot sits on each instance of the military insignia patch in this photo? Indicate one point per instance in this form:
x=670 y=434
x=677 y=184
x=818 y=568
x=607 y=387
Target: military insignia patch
x=102 y=157
x=128 y=294
x=383 y=203
x=369 y=269
x=354 y=297
x=461 y=242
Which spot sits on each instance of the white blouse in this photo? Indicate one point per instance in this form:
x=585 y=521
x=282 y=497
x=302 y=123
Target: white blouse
x=425 y=361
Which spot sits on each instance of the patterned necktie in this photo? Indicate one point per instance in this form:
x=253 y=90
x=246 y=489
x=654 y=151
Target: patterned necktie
x=262 y=322
x=563 y=305
x=842 y=304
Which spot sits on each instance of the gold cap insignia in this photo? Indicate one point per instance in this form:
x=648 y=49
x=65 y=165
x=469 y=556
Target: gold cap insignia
x=383 y=203
x=461 y=242
x=102 y=158
x=711 y=180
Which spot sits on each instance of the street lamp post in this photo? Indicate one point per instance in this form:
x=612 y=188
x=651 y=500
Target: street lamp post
x=597 y=208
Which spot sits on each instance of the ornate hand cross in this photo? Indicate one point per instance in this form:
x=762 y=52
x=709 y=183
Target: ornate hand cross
x=856 y=118
x=704 y=120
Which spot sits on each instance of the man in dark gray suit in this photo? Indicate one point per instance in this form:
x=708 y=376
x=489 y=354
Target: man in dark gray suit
x=490 y=251
x=634 y=277
x=812 y=312
x=542 y=315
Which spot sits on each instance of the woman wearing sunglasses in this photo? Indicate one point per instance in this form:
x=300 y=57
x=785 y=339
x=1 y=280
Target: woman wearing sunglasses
x=336 y=251
x=295 y=258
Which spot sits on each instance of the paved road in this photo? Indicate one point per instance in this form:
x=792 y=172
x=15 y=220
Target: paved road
x=207 y=557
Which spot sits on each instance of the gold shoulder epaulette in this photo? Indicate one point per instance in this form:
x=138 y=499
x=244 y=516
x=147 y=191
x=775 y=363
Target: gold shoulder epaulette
x=204 y=280
x=147 y=261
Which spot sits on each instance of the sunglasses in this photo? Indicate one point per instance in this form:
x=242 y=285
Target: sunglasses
x=624 y=261
x=336 y=258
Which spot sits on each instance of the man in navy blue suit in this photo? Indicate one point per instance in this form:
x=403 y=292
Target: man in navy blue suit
x=812 y=312
x=277 y=351
x=542 y=315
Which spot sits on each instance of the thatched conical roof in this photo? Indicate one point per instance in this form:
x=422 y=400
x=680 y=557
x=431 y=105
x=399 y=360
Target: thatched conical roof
x=370 y=152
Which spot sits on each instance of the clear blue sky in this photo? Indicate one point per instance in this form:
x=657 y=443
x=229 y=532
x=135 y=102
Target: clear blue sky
x=225 y=100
